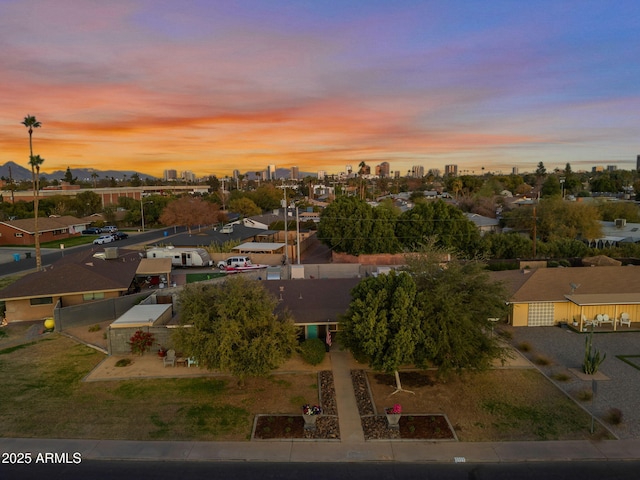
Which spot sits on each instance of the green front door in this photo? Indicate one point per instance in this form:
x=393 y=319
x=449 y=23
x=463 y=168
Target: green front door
x=312 y=331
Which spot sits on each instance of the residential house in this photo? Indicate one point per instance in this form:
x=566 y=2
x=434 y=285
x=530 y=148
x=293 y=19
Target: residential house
x=548 y=296
x=316 y=305
x=23 y=231
x=75 y=279
x=484 y=224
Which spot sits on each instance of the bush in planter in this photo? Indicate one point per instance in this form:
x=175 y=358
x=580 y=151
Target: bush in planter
x=312 y=351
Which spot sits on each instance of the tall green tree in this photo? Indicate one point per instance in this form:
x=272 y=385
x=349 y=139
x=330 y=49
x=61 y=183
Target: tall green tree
x=244 y=206
x=456 y=304
x=69 y=178
x=30 y=122
x=351 y=225
x=383 y=324
x=439 y=220
x=427 y=316
x=232 y=327
x=551 y=187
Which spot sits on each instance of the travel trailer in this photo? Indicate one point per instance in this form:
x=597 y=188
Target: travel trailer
x=182 y=257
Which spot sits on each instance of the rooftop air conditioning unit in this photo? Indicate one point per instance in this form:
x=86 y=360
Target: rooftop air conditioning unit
x=621 y=222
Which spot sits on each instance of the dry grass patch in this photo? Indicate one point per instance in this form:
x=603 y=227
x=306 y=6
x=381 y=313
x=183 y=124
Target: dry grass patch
x=48 y=399
x=499 y=405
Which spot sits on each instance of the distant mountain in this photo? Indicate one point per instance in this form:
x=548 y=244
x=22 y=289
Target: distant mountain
x=18 y=173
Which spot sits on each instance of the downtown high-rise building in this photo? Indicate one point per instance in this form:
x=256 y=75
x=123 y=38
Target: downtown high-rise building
x=451 y=170
x=170 y=175
x=417 y=171
x=295 y=173
x=271 y=172
x=188 y=176
x=638 y=163
x=383 y=170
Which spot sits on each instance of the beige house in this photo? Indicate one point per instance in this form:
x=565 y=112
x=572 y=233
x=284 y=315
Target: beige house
x=548 y=296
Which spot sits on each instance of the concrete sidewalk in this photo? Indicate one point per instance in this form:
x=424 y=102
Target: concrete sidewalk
x=304 y=451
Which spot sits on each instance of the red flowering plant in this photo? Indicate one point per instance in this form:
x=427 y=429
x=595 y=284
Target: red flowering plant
x=311 y=409
x=141 y=342
x=396 y=409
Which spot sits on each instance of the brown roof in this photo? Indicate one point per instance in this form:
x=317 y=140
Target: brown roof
x=552 y=284
x=45 y=224
x=314 y=301
x=154 y=266
x=77 y=273
x=600 y=261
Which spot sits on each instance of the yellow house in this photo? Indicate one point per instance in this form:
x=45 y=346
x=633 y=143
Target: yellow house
x=580 y=296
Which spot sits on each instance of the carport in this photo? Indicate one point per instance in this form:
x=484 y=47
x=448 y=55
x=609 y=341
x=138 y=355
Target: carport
x=154 y=272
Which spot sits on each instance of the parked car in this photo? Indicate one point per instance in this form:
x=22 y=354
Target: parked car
x=103 y=239
x=120 y=235
x=92 y=231
x=110 y=229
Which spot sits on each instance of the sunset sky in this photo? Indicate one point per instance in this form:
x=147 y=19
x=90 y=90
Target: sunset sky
x=215 y=85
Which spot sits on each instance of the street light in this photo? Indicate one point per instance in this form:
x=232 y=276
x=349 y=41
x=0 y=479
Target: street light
x=142 y=211
x=562 y=186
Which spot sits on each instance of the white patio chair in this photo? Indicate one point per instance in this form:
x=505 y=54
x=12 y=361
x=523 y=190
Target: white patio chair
x=170 y=358
x=625 y=320
x=606 y=319
x=598 y=319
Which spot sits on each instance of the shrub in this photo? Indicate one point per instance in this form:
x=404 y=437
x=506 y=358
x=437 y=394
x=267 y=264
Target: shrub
x=561 y=377
x=141 y=342
x=524 y=347
x=584 y=395
x=123 y=362
x=614 y=416
x=312 y=351
x=95 y=328
x=542 y=361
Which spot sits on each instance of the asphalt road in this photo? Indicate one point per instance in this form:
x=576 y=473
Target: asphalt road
x=50 y=255
x=143 y=470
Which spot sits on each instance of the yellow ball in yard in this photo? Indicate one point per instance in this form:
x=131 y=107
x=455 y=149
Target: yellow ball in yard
x=49 y=324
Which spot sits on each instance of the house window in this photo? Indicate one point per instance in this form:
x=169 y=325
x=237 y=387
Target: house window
x=93 y=296
x=18 y=235
x=41 y=301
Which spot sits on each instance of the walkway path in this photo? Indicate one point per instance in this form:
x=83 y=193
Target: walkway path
x=348 y=414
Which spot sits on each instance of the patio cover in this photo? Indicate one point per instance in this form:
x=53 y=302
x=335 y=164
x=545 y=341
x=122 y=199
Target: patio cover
x=154 y=266
x=605 y=299
x=260 y=247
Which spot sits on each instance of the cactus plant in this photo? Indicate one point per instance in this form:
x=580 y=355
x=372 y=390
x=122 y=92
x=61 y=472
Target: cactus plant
x=592 y=358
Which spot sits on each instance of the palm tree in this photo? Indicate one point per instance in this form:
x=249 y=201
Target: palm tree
x=35 y=161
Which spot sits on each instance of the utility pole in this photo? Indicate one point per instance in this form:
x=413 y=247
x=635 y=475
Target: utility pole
x=286 y=246
x=535 y=222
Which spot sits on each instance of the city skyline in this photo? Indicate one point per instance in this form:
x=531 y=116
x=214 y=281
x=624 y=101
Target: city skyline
x=210 y=86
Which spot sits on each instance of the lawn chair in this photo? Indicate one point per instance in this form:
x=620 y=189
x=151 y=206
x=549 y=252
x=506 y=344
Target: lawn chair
x=625 y=320
x=170 y=358
x=192 y=361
